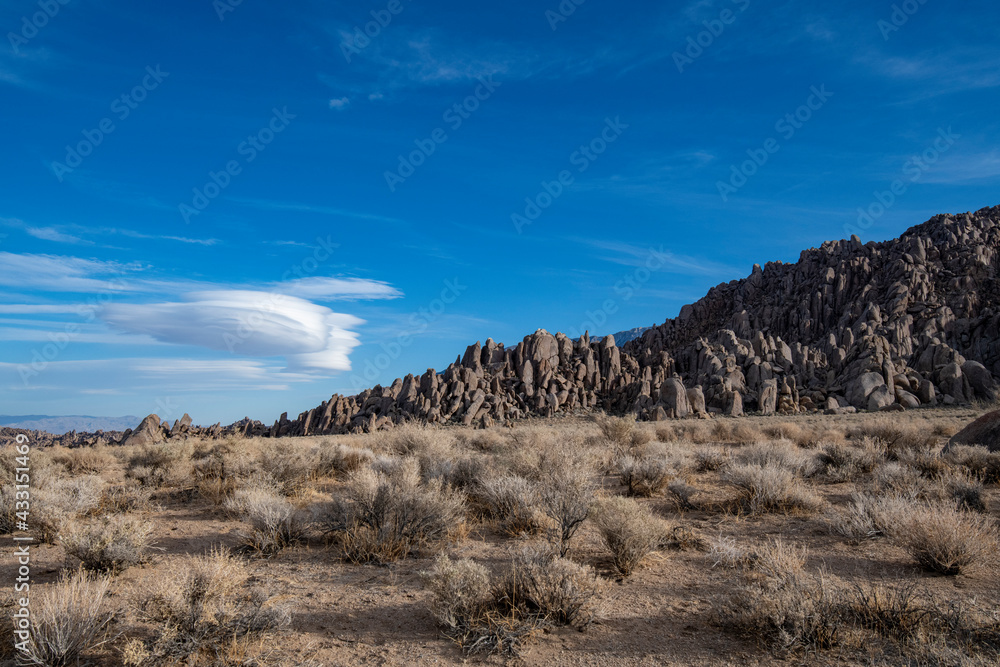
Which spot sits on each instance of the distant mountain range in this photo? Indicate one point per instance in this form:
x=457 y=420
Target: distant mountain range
x=623 y=337
x=60 y=425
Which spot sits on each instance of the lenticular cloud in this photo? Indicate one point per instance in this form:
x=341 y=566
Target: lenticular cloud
x=251 y=323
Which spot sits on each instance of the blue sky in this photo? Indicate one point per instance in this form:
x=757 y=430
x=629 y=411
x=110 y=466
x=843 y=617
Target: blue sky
x=234 y=209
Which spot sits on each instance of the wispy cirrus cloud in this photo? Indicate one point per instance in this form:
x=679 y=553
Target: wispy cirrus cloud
x=627 y=254
x=299 y=207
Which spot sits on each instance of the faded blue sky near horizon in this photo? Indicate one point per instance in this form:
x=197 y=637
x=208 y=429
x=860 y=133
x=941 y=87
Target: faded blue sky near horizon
x=234 y=209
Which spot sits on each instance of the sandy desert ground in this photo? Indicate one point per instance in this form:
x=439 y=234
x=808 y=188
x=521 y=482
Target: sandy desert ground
x=799 y=539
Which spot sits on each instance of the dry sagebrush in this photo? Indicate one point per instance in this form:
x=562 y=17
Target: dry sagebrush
x=112 y=544
x=628 y=530
x=207 y=605
x=69 y=619
x=386 y=516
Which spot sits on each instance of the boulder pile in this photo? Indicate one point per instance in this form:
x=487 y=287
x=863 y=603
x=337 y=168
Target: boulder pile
x=851 y=326
x=876 y=326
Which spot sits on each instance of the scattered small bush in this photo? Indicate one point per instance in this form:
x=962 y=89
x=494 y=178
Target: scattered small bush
x=564 y=494
x=155 y=465
x=274 y=522
x=643 y=476
x=840 y=462
x=895 y=612
x=340 y=459
x=541 y=583
x=385 y=517
x=629 y=531
x=510 y=500
x=68 y=619
x=205 y=606
x=114 y=543
x=979 y=462
x=618 y=430
x=82 y=460
x=869 y=516
x=943 y=539
x=710 y=459
x=124 y=498
x=769 y=488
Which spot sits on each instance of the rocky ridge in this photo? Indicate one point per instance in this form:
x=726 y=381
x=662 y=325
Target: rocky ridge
x=876 y=326
x=893 y=325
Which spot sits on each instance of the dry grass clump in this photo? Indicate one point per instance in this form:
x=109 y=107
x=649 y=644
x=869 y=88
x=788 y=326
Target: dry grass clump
x=542 y=584
x=943 y=539
x=384 y=517
x=778 y=604
x=682 y=492
x=784 y=431
x=156 y=465
x=896 y=436
x=290 y=468
x=60 y=501
x=565 y=492
x=895 y=612
x=112 y=544
x=869 y=516
x=840 y=462
x=735 y=432
x=779 y=454
x=82 y=460
x=617 y=430
x=665 y=432
x=537 y=588
x=274 y=522
x=643 y=476
x=205 y=608
x=710 y=459
x=68 y=619
x=979 y=462
x=628 y=530
x=124 y=498
x=769 y=488
x=511 y=501
x=341 y=459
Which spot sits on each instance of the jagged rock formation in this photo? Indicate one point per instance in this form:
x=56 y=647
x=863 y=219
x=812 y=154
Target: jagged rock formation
x=850 y=326
x=894 y=325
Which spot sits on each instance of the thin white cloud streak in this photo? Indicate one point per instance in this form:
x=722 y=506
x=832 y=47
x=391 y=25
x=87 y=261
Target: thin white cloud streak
x=57 y=273
x=633 y=255
x=309 y=208
x=338 y=289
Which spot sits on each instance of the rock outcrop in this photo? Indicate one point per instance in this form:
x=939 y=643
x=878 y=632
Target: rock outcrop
x=876 y=326
x=984 y=432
